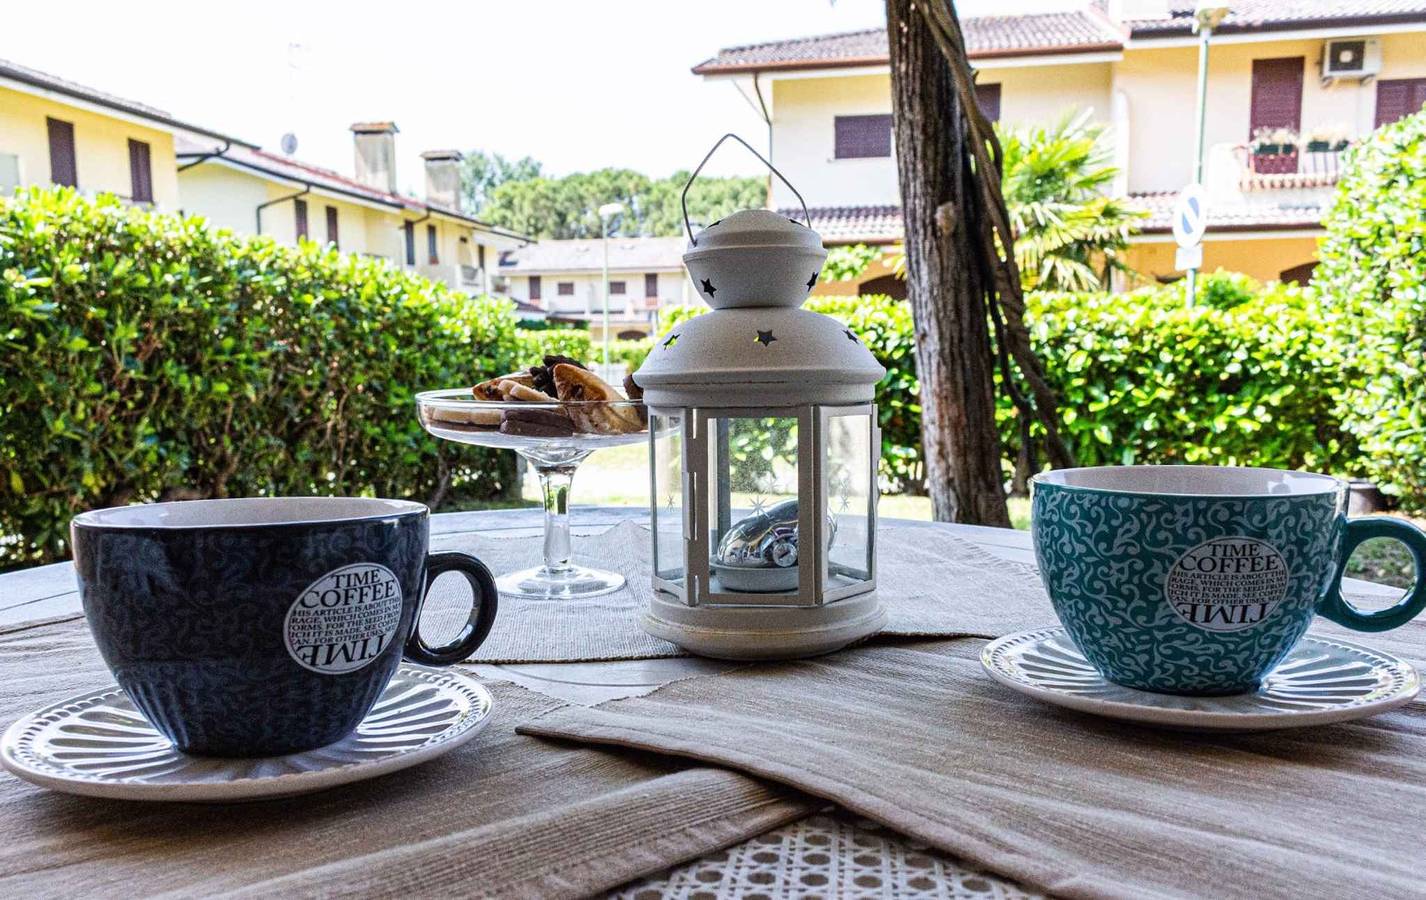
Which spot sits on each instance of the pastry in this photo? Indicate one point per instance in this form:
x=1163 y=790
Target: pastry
x=575 y=384
x=490 y=389
x=564 y=398
x=536 y=422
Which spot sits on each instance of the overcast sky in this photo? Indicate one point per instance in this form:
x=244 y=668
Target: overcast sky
x=577 y=84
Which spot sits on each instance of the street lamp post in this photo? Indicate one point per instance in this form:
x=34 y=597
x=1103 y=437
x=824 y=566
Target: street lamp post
x=606 y=212
x=1207 y=16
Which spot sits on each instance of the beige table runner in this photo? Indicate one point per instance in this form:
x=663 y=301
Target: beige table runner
x=505 y=814
x=916 y=737
x=932 y=582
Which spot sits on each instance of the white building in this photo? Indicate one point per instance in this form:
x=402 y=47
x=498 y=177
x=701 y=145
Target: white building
x=566 y=280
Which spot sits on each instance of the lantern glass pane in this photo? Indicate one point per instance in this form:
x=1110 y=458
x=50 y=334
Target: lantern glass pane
x=668 y=500
x=753 y=506
x=848 y=489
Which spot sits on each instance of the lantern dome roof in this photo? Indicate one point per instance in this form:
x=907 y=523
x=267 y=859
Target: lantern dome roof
x=759 y=357
x=755 y=257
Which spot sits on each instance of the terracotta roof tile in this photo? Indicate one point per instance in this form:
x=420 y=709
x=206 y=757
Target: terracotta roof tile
x=588 y=255
x=1080 y=31
x=882 y=224
x=985 y=36
x=1270 y=15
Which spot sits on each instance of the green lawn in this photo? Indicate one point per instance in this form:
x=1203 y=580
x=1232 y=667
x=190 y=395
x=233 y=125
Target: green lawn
x=620 y=477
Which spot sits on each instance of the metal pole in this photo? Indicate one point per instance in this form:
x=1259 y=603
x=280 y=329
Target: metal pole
x=604 y=230
x=1203 y=36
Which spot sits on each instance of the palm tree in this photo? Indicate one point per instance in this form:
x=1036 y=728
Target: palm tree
x=1068 y=234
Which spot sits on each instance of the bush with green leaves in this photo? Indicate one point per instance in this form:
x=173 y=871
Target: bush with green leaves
x=1243 y=377
x=532 y=344
x=1246 y=376
x=145 y=356
x=1373 y=276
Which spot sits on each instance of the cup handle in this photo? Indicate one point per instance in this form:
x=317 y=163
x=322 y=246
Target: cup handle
x=485 y=600
x=1336 y=608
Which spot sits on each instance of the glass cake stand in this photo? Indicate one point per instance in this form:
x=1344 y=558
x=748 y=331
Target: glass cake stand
x=555 y=448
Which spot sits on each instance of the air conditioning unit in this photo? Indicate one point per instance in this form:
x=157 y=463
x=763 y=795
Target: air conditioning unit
x=1351 y=58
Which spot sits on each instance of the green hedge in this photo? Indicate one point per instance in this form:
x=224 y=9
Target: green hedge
x=1374 y=273
x=1244 y=377
x=145 y=356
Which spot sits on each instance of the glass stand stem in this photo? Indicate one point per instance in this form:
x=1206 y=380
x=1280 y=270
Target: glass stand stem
x=555 y=482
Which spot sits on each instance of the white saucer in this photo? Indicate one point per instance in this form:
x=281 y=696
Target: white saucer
x=98 y=745
x=1321 y=681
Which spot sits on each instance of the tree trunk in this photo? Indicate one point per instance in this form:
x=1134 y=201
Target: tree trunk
x=947 y=279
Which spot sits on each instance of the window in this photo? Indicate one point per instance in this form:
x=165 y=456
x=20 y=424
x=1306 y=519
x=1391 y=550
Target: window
x=565 y=288
x=300 y=208
x=431 y=255
x=863 y=137
x=987 y=97
x=409 y=230
x=1397 y=98
x=618 y=287
x=140 y=172
x=1276 y=94
x=332 y=230
x=651 y=284
x=62 y=167
x=480 y=255
x=535 y=287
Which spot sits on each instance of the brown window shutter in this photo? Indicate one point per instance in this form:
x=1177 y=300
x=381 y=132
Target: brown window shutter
x=333 y=235
x=409 y=231
x=62 y=164
x=299 y=208
x=431 y=254
x=534 y=287
x=987 y=97
x=480 y=255
x=140 y=172
x=1397 y=98
x=618 y=287
x=651 y=284
x=862 y=137
x=1277 y=94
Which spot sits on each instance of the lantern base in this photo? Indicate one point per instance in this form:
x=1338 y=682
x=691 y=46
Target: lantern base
x=764 y=632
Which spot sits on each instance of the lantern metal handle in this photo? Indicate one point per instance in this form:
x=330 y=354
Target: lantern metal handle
x=684 y=197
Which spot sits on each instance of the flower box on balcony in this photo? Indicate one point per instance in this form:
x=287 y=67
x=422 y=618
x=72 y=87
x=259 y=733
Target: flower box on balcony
x=1279 y=163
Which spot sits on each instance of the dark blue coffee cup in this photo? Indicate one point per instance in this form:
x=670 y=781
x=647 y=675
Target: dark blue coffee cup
x=265 y=626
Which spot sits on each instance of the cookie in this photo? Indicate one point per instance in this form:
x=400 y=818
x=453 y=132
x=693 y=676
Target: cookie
x=490 y=388
x=600 y=416
x=536 y=423
x=467 y=415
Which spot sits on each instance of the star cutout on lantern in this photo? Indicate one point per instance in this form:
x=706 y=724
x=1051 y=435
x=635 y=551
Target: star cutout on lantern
x=708 y=287
x=764 y=338
x=671 y=503
x=812 y=282
x=851 y=337
x=759 y=506
x=672 y=339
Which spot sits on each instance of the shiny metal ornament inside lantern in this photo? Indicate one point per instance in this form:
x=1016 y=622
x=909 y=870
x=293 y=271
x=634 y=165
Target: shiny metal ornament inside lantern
x=764 y=455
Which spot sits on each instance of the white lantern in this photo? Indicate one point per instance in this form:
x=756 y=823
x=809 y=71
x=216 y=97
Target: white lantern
x=765 y=449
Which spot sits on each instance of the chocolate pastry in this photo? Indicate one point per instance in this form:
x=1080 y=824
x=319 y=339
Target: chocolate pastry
x=536 y=423
x=634 y=392
x=544 y=376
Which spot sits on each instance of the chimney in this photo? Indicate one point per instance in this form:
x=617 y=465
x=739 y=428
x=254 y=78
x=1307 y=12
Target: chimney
x=443 y=177
x=376 y=154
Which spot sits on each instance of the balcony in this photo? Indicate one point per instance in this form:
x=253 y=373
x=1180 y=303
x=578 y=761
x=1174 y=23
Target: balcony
x=468 y=279
x=1278 y=167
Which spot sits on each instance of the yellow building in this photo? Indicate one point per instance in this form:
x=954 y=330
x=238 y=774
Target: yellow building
x=53 y=131
x=252 y=191
x=1324 y=74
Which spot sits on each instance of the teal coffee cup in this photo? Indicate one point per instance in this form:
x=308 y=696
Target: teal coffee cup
x=1200 y=579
